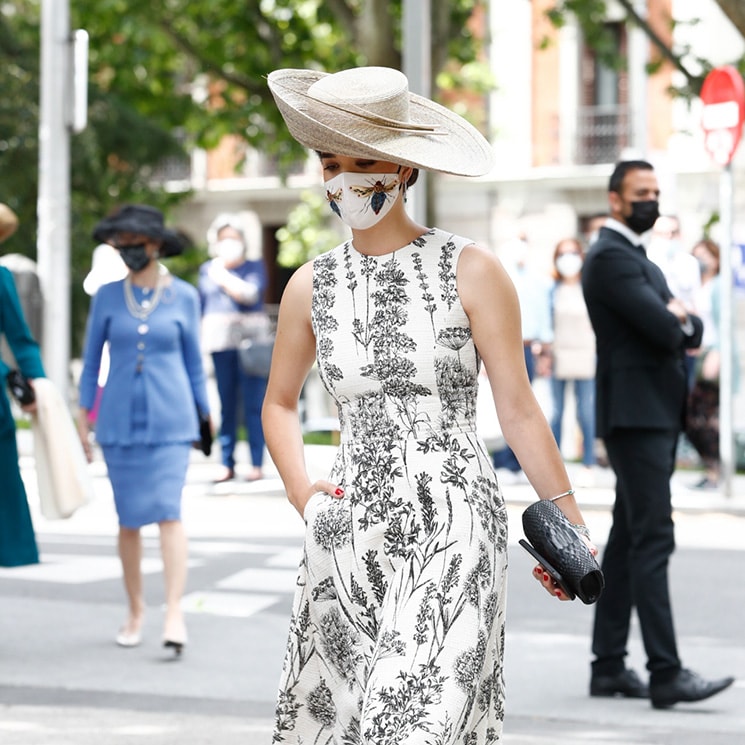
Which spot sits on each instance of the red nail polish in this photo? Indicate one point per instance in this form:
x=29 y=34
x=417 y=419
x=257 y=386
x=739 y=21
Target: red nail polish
x=339 y=492
x=558 y=593
x=545 y=578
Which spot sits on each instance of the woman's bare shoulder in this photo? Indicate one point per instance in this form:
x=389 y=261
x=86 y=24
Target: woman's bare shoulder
x=480 y=272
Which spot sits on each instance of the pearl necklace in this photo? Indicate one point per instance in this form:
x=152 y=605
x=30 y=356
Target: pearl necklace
x=142 y=310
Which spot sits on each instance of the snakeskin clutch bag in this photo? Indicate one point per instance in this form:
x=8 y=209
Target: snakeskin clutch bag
x=565 y=556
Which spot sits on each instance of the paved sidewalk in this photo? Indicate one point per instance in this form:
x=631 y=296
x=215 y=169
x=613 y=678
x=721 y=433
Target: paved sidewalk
x=320 y=457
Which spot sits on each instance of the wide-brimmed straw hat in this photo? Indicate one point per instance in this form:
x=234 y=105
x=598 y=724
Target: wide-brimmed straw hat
x=8 y=222
x=369 y=112
x=142 y=219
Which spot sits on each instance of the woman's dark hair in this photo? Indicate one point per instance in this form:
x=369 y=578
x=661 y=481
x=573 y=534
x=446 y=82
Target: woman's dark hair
x=619 y=173
x=412 y=179
x=711 y=247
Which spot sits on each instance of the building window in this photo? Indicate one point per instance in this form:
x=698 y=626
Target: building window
x=604 y=121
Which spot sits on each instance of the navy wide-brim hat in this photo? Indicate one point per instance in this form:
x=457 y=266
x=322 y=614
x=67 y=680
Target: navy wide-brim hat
x=143 y=219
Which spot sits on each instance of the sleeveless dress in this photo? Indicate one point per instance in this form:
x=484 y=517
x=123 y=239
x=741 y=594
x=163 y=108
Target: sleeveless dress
x=397 y=629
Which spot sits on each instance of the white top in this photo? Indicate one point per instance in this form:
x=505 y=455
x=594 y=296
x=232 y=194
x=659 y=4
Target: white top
x=574 y=340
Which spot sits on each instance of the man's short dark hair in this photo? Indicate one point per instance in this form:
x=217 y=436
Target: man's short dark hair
x=619 y=172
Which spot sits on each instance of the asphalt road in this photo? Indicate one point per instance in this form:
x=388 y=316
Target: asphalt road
x=63 y=681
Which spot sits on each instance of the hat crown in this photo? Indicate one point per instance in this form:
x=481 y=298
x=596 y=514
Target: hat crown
x=149 y=218
x=143 y=220
x=380 y=91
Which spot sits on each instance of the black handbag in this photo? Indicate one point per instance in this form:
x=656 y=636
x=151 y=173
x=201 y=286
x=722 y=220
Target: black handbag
x=205 y=434
x=562 y=552
x=20 y=388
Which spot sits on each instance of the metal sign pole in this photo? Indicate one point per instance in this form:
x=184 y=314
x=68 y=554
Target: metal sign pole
x=722 y=118
x=53 y=208
x=726 y=444
x=417 y=54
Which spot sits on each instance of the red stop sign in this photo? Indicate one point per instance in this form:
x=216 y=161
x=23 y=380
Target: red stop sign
x=723 y=95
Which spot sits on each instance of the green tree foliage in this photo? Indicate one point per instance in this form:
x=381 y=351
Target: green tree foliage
x=111 y=161
x=592 y=17
x=306 y=234
x=171 y=75
x=204 y=63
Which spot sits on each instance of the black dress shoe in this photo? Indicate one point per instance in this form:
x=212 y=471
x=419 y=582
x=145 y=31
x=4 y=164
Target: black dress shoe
x=686 y=686
x=625 y=683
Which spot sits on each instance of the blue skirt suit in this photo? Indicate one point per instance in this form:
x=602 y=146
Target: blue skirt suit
x=147 y=419
x=17 y=541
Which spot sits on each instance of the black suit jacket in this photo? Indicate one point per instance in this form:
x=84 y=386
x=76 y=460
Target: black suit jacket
x=641 y=374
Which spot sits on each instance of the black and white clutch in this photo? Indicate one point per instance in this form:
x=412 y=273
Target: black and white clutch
x=562 y=552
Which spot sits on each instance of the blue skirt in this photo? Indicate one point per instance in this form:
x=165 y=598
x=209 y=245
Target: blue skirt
x=147 y=481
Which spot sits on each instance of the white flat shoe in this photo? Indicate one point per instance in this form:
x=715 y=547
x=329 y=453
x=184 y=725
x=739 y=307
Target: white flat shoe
x=129 y=639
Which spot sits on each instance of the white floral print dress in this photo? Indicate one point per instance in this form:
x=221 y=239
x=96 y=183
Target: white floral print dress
x=397 y=631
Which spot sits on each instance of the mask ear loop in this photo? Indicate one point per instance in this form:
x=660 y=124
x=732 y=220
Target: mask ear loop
x=404 y=186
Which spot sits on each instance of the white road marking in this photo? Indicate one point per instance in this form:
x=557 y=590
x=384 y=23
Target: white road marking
x=233 y=604
x=72 y=569
x=253 y=579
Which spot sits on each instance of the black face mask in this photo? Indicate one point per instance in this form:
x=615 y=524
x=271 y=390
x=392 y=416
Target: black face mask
x=135 y=256
x=643 y=215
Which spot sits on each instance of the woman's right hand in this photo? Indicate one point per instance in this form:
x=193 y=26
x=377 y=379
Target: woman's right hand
x=84 y=432
x=323 y=486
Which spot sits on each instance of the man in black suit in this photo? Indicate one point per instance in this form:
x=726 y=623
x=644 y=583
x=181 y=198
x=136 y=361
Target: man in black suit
x=642 y=333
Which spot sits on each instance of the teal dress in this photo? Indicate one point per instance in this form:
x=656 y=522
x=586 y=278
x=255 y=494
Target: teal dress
x=17 y=541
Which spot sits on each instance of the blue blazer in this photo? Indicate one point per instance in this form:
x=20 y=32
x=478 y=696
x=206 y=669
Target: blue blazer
x=26 y=351
x=162 y=368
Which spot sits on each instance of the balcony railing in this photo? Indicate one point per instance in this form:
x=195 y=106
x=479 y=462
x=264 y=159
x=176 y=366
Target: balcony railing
x=602 y=133
x=190 y=170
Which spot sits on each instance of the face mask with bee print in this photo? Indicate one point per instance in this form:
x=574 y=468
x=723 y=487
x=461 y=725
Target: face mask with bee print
x=362 y=200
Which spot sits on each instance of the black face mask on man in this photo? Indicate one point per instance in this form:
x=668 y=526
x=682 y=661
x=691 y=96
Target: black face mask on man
x=134 y=256
x=643 y=215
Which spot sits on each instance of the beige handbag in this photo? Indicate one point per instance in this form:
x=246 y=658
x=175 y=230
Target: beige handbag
x=62 y=475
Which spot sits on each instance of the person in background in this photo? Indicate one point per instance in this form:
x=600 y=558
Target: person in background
x=642 y=333
x=535 y=312
x=106 y=266
x=397 y=632
x=678 y=265
x=702 y=418
x=573 y=351
x=17 y=539
x=148 y=418
x=592 y=225
x=680 y=268
x=231 y=290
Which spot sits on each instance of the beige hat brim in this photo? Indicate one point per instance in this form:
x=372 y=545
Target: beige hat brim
x=454 y=146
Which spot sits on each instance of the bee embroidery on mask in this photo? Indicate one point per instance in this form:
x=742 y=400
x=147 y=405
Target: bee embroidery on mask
x=332 y=199
x=378 y=193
